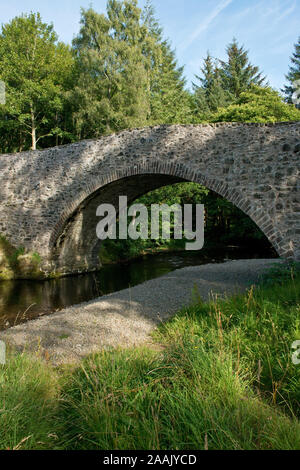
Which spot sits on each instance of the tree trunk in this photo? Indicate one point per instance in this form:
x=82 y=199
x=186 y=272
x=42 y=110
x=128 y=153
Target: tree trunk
x=33 y=129
x=56 y=137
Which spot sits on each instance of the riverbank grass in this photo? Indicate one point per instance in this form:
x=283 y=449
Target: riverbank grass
x=29 y=402
x=223 y=378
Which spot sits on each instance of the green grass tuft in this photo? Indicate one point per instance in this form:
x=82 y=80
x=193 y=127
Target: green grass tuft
x=223 y=378
x=29 y=399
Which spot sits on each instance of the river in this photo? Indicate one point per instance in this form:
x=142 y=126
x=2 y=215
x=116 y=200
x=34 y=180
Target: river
x=21 y=300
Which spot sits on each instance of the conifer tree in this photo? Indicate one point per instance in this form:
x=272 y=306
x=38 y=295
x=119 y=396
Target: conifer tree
x=293 y=74
x=170 y=102
x=238 y=74
x=210 y=94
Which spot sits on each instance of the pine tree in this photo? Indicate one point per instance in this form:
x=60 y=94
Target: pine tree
x=293 y=74
x=170 y=102
x=238 y=74
x=210 y=94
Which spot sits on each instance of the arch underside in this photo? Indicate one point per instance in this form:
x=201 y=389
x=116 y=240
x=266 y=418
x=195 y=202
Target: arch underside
x=77 y=246
x=74 y=245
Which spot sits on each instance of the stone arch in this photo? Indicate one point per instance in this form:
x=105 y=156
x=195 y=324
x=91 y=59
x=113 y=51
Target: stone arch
x=255 y=166
x=158 y=174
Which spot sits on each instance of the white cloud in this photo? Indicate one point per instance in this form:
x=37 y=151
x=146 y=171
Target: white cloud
x=276 y=9
x=203 y=26
x=287 y=12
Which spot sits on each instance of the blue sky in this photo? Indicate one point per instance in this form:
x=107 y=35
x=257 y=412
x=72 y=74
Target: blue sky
x=267 y=28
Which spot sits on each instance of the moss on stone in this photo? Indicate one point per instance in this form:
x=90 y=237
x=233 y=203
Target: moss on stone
x=15 y=263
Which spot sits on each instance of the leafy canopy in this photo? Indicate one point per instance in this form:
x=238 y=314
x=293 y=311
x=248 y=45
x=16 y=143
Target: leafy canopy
x=35 y=68
x=258 y=105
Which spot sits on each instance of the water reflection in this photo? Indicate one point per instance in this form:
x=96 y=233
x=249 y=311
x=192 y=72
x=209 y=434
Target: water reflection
x=22 y=300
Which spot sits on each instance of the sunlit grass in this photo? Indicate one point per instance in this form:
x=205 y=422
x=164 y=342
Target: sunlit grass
x=222 y=379
x=29 y=401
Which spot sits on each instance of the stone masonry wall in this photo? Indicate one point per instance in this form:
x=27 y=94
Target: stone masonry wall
x=48 y=197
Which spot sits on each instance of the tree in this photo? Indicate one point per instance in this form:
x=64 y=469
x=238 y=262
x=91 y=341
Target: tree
x=112 y=84
x=170 y=102
x=35 y=69
x=238 y=74
x=258 y=105
x=210 y=94
x=293 y=74
x=127 y=74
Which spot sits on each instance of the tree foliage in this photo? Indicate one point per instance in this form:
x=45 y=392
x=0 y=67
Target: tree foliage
x=170 y=102
x=127 y=74
x=211 y=93
x=258 y=105
x=237 y=72
x=119 y=73
x=293 y=74
x=36 y=69
x=122 y=73
x=222 y=82
x=111 y=90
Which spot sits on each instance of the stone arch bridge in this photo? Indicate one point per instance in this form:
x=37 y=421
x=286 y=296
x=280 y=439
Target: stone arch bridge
x=48 y=198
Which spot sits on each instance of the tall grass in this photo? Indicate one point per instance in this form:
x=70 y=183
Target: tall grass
x=29 y=402
x=222 y=379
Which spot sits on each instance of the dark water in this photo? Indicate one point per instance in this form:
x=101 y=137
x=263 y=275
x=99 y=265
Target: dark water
x=23 y=300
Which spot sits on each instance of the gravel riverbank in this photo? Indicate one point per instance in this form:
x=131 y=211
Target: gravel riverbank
x=127 y=317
